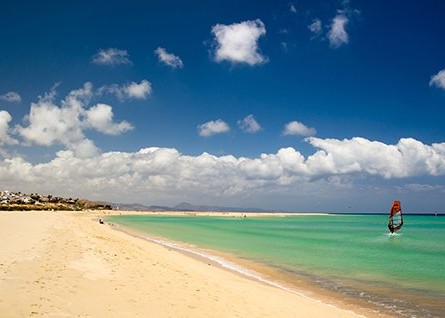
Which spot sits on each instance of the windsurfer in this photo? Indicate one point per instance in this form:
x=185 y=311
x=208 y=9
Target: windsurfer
x=395 y=217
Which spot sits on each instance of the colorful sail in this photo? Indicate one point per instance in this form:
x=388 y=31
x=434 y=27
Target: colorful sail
x=395 y=217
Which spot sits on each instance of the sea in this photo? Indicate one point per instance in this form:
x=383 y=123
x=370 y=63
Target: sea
x=347 y=255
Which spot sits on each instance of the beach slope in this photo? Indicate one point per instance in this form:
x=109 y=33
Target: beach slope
x=66 y=264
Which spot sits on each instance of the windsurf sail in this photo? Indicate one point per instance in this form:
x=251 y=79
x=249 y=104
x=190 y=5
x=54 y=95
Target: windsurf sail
x=395 y=217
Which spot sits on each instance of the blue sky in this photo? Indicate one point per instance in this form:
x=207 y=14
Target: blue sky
x=294 y=105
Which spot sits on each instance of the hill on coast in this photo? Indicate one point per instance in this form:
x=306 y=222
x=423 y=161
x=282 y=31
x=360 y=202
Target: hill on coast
x=12 y=201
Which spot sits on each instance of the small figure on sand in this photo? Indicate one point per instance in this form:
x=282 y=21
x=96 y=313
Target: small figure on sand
x=101 y=221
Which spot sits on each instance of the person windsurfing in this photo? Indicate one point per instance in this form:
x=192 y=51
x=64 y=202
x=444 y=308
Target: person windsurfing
x=395 y=217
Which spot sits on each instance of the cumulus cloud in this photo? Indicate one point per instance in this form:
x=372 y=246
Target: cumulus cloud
x=238 y=42
x=213 y=127
x=100 y=117
x=406 y=159
x=51 y=124
x=249 y=125
x=295 y=128
x=111 y=56
x=337 y=34
x=12 y=97
x=168 y=58
x=5 y=138
x=438 y=80
x=166 y=174
x=138 y=91
x=128 y=91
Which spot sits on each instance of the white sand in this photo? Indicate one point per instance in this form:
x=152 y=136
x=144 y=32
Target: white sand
x=65 y=264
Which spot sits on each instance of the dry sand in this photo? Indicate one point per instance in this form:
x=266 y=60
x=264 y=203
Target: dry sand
x=66 y=264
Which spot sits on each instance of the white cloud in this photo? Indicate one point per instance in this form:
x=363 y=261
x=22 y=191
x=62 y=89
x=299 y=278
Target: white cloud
x=296 y=128
x=168 y=58
x=438 y=80
x=5 y=138
x=164 y=174
x=51 y=124
x=337 y=35
x=12 y=97
x=213 y=127
x=138 y=91
x=406 y=159
x=249 y=124
x=84 y=148
x=315 y=27
x=100 y=117
x=238 y=42
x=128 y=91
x=111 y=56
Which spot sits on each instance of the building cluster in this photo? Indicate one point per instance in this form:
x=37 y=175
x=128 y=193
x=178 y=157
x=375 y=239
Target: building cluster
x=7 y=197
x=34 y=201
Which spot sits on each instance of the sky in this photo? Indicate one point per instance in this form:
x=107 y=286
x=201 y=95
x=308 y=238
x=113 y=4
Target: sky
x=305 y=105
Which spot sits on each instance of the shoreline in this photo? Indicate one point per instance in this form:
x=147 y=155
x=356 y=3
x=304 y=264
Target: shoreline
x=67 y=264
x=211 y=213
x=297 y=284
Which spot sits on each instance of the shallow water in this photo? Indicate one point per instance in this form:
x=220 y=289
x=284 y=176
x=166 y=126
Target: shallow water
x=349 y=254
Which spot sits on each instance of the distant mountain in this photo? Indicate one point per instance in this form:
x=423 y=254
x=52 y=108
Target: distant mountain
x=139 y=207
x=184 y=206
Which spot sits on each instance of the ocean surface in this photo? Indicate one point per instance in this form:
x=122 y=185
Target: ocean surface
x=351 y=255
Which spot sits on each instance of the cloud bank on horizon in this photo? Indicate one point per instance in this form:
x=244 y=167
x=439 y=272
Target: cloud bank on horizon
x=321 y=168
x=167 y=172
x=166 y=175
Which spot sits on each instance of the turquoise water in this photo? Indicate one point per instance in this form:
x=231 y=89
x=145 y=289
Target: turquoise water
x=351 y=254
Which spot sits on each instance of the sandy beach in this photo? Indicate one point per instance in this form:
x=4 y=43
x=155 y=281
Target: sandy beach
x=66 y=264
